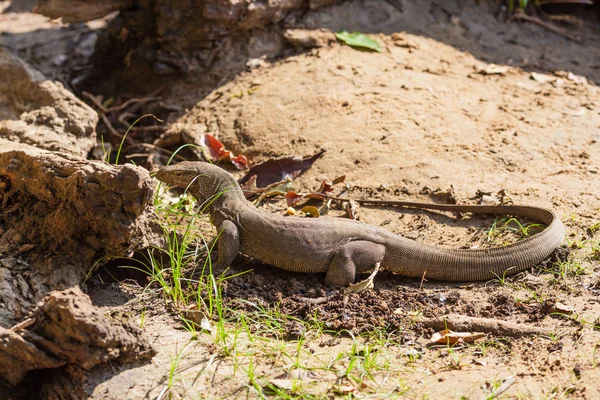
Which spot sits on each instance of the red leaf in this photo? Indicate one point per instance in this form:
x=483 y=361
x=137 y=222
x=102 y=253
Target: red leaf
x=240 y=162
x=292 y=198
x=218 y=152
x=324 y=188
x=216 y=149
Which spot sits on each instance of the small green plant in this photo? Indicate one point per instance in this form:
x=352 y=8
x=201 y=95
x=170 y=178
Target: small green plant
x=504 y=226
x=143 y=318
x=533 y=296
x=595 y=255
x=481 y=347
x=521 y=4
x=127 y=132
x=172 y=375
x=568 y=268
x=253 y=379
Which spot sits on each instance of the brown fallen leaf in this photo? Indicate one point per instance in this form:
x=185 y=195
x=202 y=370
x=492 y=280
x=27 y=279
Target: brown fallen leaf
x=275 y=189
x=314 y=196
x=327 y=187
x=278 y=169
x=344 y=389
x=285 y=384
x=339 y=179
x=563 y=309
x=249 y=188
x=351 y=207
x=447 y=336
x=292 y=198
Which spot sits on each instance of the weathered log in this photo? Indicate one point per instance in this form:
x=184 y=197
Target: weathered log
x=58 y=215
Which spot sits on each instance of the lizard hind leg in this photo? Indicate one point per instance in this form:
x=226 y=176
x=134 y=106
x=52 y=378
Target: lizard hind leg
x=353 y=258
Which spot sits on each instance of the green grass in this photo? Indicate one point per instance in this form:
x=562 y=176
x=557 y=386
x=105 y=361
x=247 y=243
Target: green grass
x=127 y=132
x=183 y=268
x=513 y=4
x=504 y=227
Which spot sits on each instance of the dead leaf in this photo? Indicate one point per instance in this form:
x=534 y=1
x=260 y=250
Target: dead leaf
x=285 y=384
x=197 y=317
x=364 y=284
x=315 y=196
x=205 y=324
x=25 y=248
x=339 y=179
x=447 y=336
x=239 y=161
x=325 y=188
x=275 y=189
x=217 y=152
x=278 y=169
x=563 y=309
x=351 y=208
x=311 y=211
x=324 y=209
x=292 y=198
x=249 y=188
x=489 y=200
x=344 y=389
x=288 y=379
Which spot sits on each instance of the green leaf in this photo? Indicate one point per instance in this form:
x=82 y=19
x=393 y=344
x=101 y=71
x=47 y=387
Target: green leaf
x=357 y=39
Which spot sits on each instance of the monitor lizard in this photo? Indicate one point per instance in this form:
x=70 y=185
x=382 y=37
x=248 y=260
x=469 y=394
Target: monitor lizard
x=344 y=248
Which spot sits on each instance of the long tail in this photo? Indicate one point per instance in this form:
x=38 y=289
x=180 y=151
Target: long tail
x=416 y=259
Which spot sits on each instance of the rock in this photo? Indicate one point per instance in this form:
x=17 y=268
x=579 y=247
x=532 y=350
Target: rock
x=81 y=10
x=68 y=329
x=307 y=38
x=42 y=113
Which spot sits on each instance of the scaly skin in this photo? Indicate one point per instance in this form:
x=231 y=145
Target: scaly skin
x=343 y=248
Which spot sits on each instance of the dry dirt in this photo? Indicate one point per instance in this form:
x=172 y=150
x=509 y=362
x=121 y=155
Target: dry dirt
x=427 y=116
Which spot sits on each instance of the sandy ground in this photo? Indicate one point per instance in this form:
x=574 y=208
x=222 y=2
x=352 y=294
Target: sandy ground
x=457 y=101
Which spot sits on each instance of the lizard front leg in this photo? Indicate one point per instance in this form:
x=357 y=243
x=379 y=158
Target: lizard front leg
x=228 y=245
x=351 y=259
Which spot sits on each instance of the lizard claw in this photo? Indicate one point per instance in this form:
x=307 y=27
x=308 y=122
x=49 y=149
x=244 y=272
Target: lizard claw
x=365 y=284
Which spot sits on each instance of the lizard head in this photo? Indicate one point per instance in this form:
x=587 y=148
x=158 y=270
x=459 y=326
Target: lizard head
x=203 y=180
